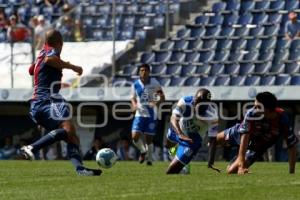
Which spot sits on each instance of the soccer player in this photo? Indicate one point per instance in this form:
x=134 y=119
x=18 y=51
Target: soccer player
x=48 y=108
x=192 y=115
x=147 y=94
x=262 y=126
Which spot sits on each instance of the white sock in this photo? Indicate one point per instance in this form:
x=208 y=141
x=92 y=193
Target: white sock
x=149 y=152
x=139 y=144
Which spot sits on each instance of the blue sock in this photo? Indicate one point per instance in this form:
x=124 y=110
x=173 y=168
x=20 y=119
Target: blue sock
x=74 y=155
x=50 y=138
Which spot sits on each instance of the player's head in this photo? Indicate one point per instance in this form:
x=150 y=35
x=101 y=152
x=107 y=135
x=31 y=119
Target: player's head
x=144 y=71
x=265 y=102
x=201 y=98
x=54 y=39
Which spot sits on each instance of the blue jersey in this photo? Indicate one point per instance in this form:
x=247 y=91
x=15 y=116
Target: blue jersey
x=47 y=79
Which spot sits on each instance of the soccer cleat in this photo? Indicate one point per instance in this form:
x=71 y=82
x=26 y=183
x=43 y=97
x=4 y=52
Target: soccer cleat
x=83 y=171
x=26 y=153
x=186 y=169
x=142 y=157
x=149 y=163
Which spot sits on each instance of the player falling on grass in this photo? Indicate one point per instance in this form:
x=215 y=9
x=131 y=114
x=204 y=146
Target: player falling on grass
x=48 y=108
x=147 y=94
x=262 y=126
x=192 y=115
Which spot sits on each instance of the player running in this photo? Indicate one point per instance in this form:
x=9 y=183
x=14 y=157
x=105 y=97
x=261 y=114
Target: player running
x=48 y=108
x=262 y=126
x=146 y=94
x=192 y=115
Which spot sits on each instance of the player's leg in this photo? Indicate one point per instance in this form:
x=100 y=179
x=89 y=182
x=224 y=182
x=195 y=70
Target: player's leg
x=137 y=129
x=149 y=131
x=175 y=167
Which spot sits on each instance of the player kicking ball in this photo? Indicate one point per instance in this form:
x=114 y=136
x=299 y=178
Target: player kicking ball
x=192 y=115
x=49 y=109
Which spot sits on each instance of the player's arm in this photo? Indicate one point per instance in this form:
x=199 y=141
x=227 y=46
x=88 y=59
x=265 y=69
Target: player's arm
x=56 y=62
x=176 y=114
x=292 y=153
x=212 y=144
x=242 y=169
x=133 y=99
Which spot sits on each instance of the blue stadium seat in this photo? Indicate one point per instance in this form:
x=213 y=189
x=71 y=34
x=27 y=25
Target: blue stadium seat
x=241 y=31
x=202 y=20
x=291 y=5
x=216 y=20
x=275 y=6
x=245 y=19
x=267 y=80
x=253 y=44
x=224 y=44
x=235 y=56
x=218 y=7
x=121 y=82
x=227 y=32
x=295 y=45
x=212 y=32
x=281 y=56
x=173 y=69
x=222 y=81
x=238 y=44
x=192 y=56
x=233 y=6
x=237 y=80
x=230 y=19
x=162 y=56
x=262 y=68
x=188 y=69
x=158 y=69
x=127 y=70
x=261 y=6
x=177 y=81
x=295 y=80
x=267 y=55
x=203 y=69
x=197 y=32
x=277 y=68
x=217 y=69
x=164 y=81
x=207 y=81
x=283 y=79
x=258 y=31
x=260 y=18
x=195 y=43
x=184 y=33
x=247 y=6
x=294 y=55
x=209 y=44
x=147 y=57
x=180 y=44
x=282 y=44
x=221 y=56
x=167 y=45
x=268 y=44
x=192 y=81
x=232 y=68
x=274 y=18
x=147 y=8
x=246 y=68
x=292 y=68
x=206 y=56
x=252 y=80
x=177 y=56
x=272 y=30
x=251 y=56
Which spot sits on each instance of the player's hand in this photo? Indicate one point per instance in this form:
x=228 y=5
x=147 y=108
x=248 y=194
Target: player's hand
x=242 y=171
x=78 y=69
x=214 y=168
x=186 y=138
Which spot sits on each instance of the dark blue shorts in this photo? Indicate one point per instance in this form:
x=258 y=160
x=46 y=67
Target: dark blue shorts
x=49 y=113
x=232 y=135
x=185 y=151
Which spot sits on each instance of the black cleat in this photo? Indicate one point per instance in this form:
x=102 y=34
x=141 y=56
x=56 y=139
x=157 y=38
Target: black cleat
x=149 y=163
x=142 y=157
x=83 y=171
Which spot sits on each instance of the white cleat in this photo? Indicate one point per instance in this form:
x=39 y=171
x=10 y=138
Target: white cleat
x=26 y=152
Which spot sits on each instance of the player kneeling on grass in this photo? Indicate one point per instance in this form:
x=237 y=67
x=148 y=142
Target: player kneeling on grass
x=261 y=128
x=192 y=114
x=48 y=108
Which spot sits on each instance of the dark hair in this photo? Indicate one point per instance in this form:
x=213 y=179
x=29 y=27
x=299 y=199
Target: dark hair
x=53 y=37
x=202 y=95
x=267 y=99
x=143 y=66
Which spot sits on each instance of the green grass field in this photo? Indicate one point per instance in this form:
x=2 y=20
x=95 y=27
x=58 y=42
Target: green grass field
x=131 y=180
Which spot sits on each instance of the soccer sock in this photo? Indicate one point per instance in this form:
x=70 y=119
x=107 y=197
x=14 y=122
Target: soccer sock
x=139 y=145
x=149 y=152
x=50 y=138
x=74 y=155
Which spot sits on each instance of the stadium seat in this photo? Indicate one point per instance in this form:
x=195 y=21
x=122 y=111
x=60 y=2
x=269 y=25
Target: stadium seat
x=121 y=82
x=267 y=80
x=212 y=32
x=246 y=68
x=295 y=45
x=221 y=56
x=291 y=5
x=147 y=57
x=295 y=80
x=203 y=69
x=232 y=68
x=217 y=69
x=188 y=69
x=292 y=68
x=282 y=44
x=177 y=81
x=177 y=56
x=158 y=69
x=232 y=6
x=267 y=55
x=271 y=30
x=162 y=56
x=251 y=56
x=184 y=33
x=167 y=45
x=216 y=20
x=260 y=18
x=252 y=80
x=235 y=56
x=207 y=81
x=268 y=44
x=241 y=31
x=224 y=44
x=245 y=19
x=261 y=6
x=197 y=32
x=237 y=80
x=218 y=7
x=281 y=56
x=274 y=18
x=192 y=56
x=180 y=44
x=253 y=44
x=202 y=20
x=222 y=81
x=173 y=69
x=192 y=81
x=294 y=55
x=283 y=79
x=164 y=81
x=195 y=43
x=227 y=32
x=238 y=44
x=209 y=44
x=247 y=6
x=206 y=56
x=262 y=68
x=275 y=6
x=230 y=19
x=258 y=31
x=277 y=68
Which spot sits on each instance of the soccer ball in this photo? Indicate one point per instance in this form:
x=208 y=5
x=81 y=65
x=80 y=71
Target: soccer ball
x=106 y=158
